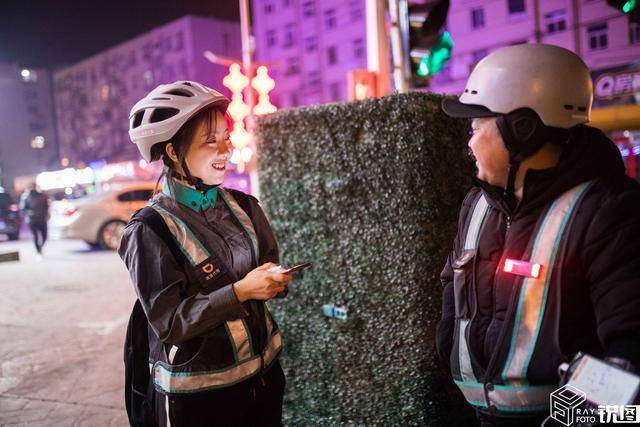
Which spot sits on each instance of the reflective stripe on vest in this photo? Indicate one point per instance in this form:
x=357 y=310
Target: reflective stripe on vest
x=246 y=362
x=508 y=398
x=470 y=243
x=533 y=292
x=473 y=231
x=190 y=246
x=517 y=395
x=191 y=382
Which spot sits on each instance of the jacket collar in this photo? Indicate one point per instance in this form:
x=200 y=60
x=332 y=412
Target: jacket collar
x=589 y=155
x=189 y=196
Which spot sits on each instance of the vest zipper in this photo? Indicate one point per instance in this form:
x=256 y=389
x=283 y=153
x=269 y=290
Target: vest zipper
x=491 y=368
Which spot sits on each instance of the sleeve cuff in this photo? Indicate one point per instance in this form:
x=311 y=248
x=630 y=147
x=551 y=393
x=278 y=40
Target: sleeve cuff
x=225 y=299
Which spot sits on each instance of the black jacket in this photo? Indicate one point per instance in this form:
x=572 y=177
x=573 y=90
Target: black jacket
x=180 y=310
x=35 y=206
x=598 y=295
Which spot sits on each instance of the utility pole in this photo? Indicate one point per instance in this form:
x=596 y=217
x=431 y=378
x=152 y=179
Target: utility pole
x=577 y=42
x=399 y=11
x=248 y=46
x=536 y=15
x=377 y=44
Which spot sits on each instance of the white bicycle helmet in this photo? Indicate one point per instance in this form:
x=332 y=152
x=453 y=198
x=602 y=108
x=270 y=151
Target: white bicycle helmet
x=157 y=117
x=552 y=81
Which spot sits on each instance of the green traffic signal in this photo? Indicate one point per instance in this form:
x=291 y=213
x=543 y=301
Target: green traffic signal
x=629 y=6
x=437 y=57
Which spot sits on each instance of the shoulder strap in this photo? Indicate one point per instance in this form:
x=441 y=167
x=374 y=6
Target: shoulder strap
x=154 y=220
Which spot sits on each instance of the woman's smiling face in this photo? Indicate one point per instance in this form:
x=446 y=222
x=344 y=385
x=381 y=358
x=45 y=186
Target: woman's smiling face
x=210 y=150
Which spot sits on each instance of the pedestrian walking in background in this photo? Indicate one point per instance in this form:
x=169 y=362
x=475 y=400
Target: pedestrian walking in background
x=35 y=206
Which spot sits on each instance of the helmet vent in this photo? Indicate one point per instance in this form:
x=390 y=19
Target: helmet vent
x=137 y=119
x=179 y=92
x=582 y=109
x=187 y=83
x=161 y=99
x=568 y=107
x=466 y=91
x=474 y=92
x=161 y=114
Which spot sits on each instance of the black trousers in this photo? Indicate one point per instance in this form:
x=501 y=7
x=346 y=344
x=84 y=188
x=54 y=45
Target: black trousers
x=39 y=232
x=254 y=402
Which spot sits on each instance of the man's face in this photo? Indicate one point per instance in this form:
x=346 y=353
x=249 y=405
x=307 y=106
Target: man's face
x=492 y=157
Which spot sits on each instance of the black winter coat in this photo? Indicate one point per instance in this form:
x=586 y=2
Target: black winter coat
x=597 y=299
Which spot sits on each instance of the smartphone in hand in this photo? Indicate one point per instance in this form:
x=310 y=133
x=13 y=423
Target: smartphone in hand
x=283 y=270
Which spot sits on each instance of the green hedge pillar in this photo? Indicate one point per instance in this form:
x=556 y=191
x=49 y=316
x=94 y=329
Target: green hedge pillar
x=369 y=192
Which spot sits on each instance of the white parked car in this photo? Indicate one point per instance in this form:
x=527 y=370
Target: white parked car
x=99 y=218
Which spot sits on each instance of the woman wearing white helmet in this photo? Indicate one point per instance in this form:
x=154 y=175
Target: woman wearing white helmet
x=199 y=256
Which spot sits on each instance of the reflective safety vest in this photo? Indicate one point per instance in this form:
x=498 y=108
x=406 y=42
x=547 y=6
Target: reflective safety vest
x=510 y=391
x=204 y=370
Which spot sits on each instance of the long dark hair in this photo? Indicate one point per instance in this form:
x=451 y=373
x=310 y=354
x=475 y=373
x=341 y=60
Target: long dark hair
x=181 y=142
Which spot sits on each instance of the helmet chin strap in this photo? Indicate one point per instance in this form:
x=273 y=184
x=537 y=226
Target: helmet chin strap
x=514 y=164
x=192 y=180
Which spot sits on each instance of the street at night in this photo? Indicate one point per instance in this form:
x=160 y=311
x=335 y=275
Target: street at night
x=62 y=325
x=266 y=213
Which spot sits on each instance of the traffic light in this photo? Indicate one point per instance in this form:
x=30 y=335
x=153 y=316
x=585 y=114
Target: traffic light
x=436 y=58
x=429 y=47
x=631 y=8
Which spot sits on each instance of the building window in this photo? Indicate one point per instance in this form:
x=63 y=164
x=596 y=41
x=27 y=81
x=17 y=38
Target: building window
x=477 y=17
x=476 y=56
x=271 y=38
x=28 y=76
x=308 y=9
x=148 y=78
x=330 y=19
x=516 y=6
x=294 y=99
x=332 y=55
x=335 y=91
x=597 y=35
x=556 y=21
x=358 y=48
x=355 y=10
x=311 y=44
x=225 y=43
x=313 y=80
x=292 y=67
x=289 y=35
x=634 y=32
x=268 y=8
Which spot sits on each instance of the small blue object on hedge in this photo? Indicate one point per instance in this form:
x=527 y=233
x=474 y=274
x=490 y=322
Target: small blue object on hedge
x=330 y=310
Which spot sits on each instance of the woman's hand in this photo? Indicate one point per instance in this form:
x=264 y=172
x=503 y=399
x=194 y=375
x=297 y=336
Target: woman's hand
x=260 y=284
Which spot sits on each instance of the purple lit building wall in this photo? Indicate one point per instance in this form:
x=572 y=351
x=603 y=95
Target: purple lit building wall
x=93 y=97
x=600 y=34
x=309 y=47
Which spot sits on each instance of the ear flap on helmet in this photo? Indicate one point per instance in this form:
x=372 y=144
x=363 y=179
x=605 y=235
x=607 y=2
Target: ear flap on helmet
x=522 y=131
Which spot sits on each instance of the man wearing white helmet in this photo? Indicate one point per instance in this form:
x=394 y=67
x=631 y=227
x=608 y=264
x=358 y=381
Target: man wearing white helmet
x=202 y=347
x=546 y=261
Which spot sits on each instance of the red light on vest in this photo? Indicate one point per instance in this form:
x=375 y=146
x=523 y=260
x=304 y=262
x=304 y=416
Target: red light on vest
x=522 y=268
